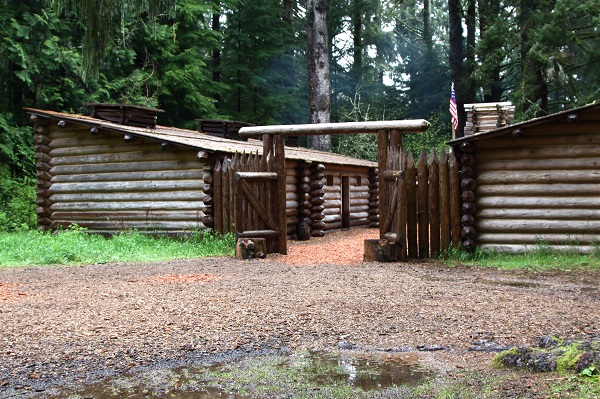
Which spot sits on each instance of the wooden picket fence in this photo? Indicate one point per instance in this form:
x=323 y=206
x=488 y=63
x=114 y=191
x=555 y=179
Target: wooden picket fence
x=429 y=208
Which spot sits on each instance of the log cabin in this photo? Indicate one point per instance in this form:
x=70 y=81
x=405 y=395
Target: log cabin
x=117 y=170
x=533 y=183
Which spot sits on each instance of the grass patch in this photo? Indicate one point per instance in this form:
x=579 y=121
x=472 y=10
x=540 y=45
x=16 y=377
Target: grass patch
x=542 y=258
x=74 y=246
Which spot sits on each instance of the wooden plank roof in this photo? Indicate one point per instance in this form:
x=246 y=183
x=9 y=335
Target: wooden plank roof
x=586 y=114
x=203 y=141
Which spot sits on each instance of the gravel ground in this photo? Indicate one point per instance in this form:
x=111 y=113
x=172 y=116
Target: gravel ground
x=64 y=324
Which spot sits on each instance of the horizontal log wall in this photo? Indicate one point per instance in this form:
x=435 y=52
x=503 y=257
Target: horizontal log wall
x=359 y=201
x=541 y=185
x=107 y=185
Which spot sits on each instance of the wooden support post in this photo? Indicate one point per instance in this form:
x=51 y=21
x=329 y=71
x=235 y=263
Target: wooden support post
x=238 y=197
x=382 y=152
x=401 y=219
x=396 y=139
x=279 y=146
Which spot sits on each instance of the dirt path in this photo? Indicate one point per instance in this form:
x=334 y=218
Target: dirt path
x=68 y=323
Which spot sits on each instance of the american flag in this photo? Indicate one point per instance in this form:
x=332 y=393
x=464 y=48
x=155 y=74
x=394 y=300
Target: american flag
x=453 y=109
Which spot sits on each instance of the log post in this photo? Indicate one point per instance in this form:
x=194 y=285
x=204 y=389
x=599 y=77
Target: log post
x=279 y=147
x=382 y=153
x=381 y=250
x=305 y=206
x=374 y=197
x=251 y=248
x=317 y=200
x=468 y=184
x=43 y=166
x=434 y=211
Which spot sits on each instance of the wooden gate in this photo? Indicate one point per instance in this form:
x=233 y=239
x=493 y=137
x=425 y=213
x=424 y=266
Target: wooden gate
x=392 y=189
x=392 y=198
x=249 y=191
x=260 y=197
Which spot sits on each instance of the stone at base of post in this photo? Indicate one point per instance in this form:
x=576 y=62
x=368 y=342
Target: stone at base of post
x=250 y=248
x=380 y=251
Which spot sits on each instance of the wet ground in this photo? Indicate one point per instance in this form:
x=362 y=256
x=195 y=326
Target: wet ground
x=339 y=373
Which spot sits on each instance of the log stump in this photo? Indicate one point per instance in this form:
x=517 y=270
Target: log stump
x=251 y=248
x=377 y=250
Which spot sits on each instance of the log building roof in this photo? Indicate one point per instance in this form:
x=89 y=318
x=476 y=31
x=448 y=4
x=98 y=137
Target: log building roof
x=567 y=119
x=203 y=141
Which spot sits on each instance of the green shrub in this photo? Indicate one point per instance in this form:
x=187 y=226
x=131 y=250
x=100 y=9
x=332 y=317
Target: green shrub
x=17 y=204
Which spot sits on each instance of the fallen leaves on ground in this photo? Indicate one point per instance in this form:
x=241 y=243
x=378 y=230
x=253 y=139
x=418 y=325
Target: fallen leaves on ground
x=7 y=292
x=183 y=278
x=340 y=248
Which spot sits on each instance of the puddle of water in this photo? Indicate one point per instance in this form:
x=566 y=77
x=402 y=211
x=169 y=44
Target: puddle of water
x=241 y=378
x=365 y=372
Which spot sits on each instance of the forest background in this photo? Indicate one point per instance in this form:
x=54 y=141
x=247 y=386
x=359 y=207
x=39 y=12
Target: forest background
x=246 y=60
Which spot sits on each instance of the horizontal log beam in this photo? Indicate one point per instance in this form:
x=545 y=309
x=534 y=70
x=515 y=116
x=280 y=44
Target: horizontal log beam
x=257 y=234
x=538 y=202
x=557 y=238
x=532 y=248
x=166 y=175
x=132 y=224
x=256 y=176
x=136 y=186
x=538 y=152
x=538 y=226
x=538 y=189
x=141 y=166
x=148 y=206
x=541 y=176
x=550 y=214
x=179 y=195
x=116 y=216
x=406 y=126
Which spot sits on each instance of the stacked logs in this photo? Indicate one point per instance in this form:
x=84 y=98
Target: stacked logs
x=209 y=189
x=468 y=186
x=374 y=197
x=293 y=202
x=333 y=206
x=42 y=157
x=360 y=198
x=305 y=210
x=317 y=199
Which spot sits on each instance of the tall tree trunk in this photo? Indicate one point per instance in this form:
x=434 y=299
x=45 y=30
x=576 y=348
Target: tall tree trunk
x=469 y=82
x=357 y=23
x=427 y=79
x=456 y=60
x=216 y=56
x=319 y=99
